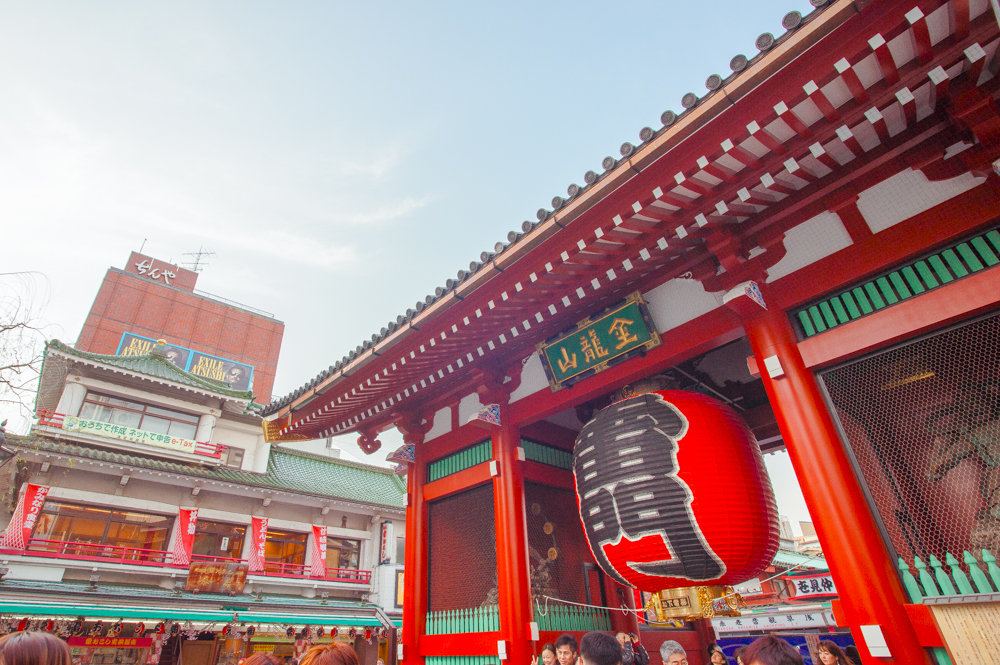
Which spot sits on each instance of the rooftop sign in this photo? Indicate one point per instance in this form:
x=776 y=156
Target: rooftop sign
x=607 y=338
x=239 y=376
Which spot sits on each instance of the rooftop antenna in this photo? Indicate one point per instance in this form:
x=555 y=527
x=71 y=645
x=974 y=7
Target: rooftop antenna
x=143 y=244
x=197 y=262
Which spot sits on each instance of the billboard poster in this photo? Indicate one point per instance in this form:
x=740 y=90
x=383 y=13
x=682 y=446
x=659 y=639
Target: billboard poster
x=239 y=376
x=226 y=578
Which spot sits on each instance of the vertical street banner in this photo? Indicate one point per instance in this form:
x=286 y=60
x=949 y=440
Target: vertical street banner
x=318 y=567
x=387 y=545
x=258 y=541
x=187 y=524
x=22 y=522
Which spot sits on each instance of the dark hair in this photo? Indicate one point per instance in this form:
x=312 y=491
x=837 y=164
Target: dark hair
x=600 y=649
x=853 y=657
x=712 y=649
x=33 y=648
x=334 y=653
x=548 y=647
x=567 y=640
x=738 y=655
x=769 y=650
x=834 y=650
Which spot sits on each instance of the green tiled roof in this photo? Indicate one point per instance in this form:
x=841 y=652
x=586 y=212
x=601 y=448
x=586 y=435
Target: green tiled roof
x=152 y=365
x=288 y=470
x=791 y=559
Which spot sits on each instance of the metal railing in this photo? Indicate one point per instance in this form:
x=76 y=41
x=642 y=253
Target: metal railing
x=302 y=571
x=485 y=619
x=123 y=554
x=948 y=578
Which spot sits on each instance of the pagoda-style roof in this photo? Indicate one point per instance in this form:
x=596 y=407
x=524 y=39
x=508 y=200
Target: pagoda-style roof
x=287 y=470
x=153 y=365
x=849 y=96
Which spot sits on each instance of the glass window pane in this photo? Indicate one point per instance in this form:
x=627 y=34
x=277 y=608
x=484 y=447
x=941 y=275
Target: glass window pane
x=154 y=424
x=125 y=403
x=173 y=415
x=234 y=457
x=183 y=430
x=400 y=550
x=125 y=418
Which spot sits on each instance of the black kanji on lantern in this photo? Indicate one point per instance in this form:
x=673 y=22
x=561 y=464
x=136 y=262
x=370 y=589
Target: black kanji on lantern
x=625 y=462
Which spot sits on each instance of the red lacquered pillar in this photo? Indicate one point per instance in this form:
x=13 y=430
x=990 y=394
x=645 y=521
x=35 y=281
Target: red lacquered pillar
x=865 y=576
x=513 y=573
x=415 y=566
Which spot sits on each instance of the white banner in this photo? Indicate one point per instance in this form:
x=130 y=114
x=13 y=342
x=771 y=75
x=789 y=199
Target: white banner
x=110 y=430
x=817 y=619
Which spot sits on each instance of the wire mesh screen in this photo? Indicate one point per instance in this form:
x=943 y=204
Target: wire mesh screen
x=463 y=551
x=923 y=421
x=556 y=546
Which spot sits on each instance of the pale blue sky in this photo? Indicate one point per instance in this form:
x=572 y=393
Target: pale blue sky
x=342 y=159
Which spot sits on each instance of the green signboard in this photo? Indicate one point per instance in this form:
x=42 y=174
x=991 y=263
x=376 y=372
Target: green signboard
x=624 y=329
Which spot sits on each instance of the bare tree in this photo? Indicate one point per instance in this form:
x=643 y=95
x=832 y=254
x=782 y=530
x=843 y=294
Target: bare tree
x=23 y=297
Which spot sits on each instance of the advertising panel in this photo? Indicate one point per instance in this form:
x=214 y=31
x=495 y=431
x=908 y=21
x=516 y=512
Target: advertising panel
x=239 y=376
x=225 y=578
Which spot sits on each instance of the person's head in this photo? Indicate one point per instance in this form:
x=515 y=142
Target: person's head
x=34 y=648
x=830 y=654
x=738 y=655
x=598 y=648
x=261 y=658
x=334 y=653
x=852 y=654
x=549 y=654
x=673 y=653
x=621 y=637
x=566 y=648
x=379 y=662
x=716 y=655
x=769 y=650
x=235 y=374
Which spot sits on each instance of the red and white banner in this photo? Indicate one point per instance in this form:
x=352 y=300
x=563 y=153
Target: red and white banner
x=187 y=523
x=318 y=567
x=258 y=540
x=387 y=545
x=29 y=505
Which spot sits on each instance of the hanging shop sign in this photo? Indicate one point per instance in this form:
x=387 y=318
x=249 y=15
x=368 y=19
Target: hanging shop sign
x=239 y=376
x=187 y=519
x=318 y=565
x=600 y=341
x=811 y=586
x=258 y=541
x=22 y=521
x=112 y=431
x=214 y=577
x=673 y=492
x=799 y=620
x=387 y=545
x=120 y=642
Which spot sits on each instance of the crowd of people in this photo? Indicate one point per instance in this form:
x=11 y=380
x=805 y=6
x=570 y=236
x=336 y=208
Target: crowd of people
x=596 y=648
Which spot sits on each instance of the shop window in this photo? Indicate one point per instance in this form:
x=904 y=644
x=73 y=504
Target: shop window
x=217 y=539
x=117 y=411
x=400 y=550
x=285 y=551
x=95 y=531
x=233 y=457
x=343 y=553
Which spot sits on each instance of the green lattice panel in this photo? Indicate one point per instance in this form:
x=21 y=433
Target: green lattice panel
x=485 y=619
x=965 y=258
x=460 y=461
x=537 y=452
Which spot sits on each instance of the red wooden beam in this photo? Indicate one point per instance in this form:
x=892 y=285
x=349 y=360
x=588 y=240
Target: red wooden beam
x=716 y=171
x=921 y=35
x=851 y=80
x=885 y=60
x=795 y=169
x=823 y=157
x=962 y=18
x=740 y=154
x=675 y=199
x=977 y=60
x=820 y=99
x=877 y=121
x=939 y=85
x=792 y=120
x=908 y=104
x=768 y=181
x=846 y=136
x=769 y=140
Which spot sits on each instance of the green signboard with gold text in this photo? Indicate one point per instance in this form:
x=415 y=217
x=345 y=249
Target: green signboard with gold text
x=624 y=329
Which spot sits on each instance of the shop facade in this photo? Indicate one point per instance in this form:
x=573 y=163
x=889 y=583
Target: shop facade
x=144 y=501
x=814 y=242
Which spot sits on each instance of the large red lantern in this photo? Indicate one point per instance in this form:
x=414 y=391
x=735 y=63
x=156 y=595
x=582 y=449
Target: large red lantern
x=673 y=492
